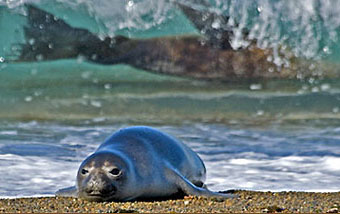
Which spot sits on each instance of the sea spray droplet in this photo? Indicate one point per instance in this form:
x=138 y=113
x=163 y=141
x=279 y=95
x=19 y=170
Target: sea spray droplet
x=107 y=86
x=96 y=104
x=31 y=41
x=260 y=112
x=255 y=87
x=315 y=89
x=98 y=119
x=270 y=58
x=216 y=24
x=129 y=5
x=80 y=59
x=39 y=57
x=28 y=98
x=37 y=93
x=326 y=50
x=325 y=87
x=86 y=74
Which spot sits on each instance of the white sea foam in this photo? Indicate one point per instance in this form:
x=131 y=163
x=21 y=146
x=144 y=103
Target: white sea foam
x=26 y=176
x=291 y=173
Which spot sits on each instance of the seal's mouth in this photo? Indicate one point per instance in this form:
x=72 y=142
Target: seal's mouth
x=100 y=195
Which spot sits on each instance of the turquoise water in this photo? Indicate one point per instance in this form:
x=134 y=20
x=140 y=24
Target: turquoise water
x=260 y=135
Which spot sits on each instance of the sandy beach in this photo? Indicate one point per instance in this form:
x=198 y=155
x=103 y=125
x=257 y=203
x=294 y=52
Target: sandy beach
x=247 y=201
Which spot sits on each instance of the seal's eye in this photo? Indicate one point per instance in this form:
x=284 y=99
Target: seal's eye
x=115 y=172
x=84 y=171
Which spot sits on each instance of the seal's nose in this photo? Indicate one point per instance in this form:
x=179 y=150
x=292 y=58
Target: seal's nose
x=106 y=189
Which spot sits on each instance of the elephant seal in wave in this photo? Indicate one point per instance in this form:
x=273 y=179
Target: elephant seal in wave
x=208 y=56
x=140 y=162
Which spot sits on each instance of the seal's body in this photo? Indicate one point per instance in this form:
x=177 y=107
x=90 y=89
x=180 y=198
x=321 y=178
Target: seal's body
x=140 y=162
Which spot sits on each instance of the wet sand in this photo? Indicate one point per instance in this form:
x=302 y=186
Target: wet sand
x=247 y=201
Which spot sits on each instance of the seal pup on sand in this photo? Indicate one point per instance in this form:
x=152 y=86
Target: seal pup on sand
x=208 y=56
x=140 y=163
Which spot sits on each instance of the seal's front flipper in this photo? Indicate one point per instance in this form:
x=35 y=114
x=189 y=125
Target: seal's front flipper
x=190 y=189
x=67 y=192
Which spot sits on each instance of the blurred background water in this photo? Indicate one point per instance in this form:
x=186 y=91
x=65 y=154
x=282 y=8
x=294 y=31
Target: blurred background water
x=257 y=135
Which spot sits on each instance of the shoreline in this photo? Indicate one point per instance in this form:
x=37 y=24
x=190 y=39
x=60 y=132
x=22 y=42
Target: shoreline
x=247 y=201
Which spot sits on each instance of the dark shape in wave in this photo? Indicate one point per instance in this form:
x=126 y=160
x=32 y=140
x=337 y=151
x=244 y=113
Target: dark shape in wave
x=209 y=56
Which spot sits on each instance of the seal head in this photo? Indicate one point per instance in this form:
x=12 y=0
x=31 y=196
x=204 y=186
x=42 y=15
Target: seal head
x=103 y=176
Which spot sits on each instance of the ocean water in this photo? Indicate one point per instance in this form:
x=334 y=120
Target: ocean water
x=37 y=158
x=256 y=135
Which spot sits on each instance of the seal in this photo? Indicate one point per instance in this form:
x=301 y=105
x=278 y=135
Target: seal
x=140 y=163
x=209 y=56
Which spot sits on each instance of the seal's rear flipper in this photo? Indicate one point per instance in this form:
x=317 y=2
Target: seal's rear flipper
x=67 y=192
x=48 y=37
x=213 y=26
x=190 y=189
